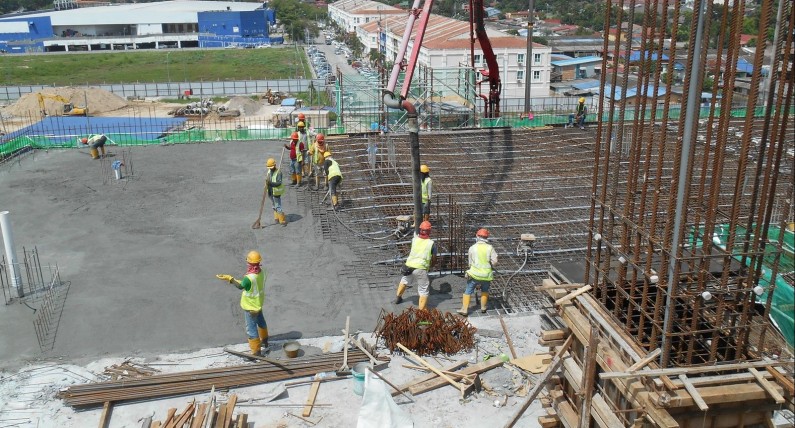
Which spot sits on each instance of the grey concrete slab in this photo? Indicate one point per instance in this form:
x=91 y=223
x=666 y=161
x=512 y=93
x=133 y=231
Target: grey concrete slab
x=142 y=254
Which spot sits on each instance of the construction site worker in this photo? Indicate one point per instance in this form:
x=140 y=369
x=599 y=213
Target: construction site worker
x=275 y=188
x=421 y=257
x=334 y=177
x=427 y=192
x=303 y=139
x=251 y=300
x=295 y=148
x=482 y=258
x=316 y=154
x=95 y=141
x=578 y=117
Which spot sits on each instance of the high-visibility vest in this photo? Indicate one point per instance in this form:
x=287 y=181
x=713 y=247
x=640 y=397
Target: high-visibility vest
x=252 y=299
x=277 y=190
x=481 y=267
x=317 y=153
x=426 y=184
x=420 y=255
x=334 y=169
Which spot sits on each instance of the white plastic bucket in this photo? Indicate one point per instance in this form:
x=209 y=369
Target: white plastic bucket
x=358 y=372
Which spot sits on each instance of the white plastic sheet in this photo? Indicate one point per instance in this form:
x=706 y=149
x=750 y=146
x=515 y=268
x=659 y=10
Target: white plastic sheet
x=378 y=409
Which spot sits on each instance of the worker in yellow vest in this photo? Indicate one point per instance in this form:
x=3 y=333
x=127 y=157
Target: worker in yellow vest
x=334 y=177
x=427 y=192
x=95 y=141
x=251 y=300
x=420 y=260
x=316 y=151
x=304 y=140
x=482 y=258
x=275 y=189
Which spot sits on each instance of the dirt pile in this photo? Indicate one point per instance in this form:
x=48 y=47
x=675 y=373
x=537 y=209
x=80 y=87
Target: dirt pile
x=247 y=106
x=97 y=100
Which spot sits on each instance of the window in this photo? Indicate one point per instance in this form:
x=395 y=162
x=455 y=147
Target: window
x=520 y=75
x=520 y=59
x=536 y=75
x=536 y=58
x=477 y=59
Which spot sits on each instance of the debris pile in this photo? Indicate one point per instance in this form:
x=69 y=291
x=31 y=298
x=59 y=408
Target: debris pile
x=96 y=100
x=425 y=332
x=128 y=370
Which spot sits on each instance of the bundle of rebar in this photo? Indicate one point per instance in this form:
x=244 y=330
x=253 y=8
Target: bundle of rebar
x=426 y=332
x=96 y=394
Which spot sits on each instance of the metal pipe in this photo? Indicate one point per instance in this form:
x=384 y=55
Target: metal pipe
x=404 y=43
x=11 y=256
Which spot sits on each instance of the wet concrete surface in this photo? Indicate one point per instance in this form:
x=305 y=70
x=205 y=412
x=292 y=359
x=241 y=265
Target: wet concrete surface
x=141 y=254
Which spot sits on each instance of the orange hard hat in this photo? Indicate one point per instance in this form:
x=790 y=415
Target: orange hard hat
x=482 y=233
x=294 y=136
x=425 y=225
x=321 y=137
x=301 y=116
x=84 y=140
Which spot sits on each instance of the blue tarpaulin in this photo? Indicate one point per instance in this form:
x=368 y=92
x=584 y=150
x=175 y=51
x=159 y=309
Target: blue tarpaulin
x=64 y=129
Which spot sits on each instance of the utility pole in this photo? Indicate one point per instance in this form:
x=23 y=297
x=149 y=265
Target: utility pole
x=529 y=59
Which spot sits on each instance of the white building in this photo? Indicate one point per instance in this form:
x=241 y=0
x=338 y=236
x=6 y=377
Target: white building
x=349 y=14
x=446 y=45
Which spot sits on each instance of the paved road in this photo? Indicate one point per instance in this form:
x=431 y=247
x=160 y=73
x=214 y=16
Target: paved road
x=336 y=61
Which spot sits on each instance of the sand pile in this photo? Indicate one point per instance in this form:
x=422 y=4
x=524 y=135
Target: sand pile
x=97 y=100
x=247 y=106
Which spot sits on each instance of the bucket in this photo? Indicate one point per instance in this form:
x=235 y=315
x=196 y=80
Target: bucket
x=291 y=349
x=358 y=371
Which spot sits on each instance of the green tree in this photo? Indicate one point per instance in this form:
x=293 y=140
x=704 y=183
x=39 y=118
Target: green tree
x=298 y=18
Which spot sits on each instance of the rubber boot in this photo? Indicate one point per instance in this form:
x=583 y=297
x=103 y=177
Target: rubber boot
x=292 y=182
x=282 y=220
x=102 y=150
x=423 y=301
x=334 y=201
x=263 y=337
x=254 y=344
x=484 y=299
x=401 y=289
x=94 y=153
x=465 y=305
x=276 y=217
x=317 y=182
x=298 y=178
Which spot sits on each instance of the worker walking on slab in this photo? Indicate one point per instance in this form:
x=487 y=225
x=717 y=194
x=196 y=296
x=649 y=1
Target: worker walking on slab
x=275 y=189
x=427 y=192
x=316 y=154
x=95 y=141
x=420 y=260
x=295 y=148
x=334 y=177
x=303 y=139
x=578 y=116
x=251 y=300
x=482 y=258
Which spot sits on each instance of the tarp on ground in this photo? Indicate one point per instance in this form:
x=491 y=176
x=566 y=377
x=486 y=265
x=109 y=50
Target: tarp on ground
x=64 y=130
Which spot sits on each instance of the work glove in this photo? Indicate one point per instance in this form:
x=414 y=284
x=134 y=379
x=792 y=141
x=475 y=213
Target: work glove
x=227 y=278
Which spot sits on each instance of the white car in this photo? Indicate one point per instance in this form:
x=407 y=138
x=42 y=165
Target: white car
x=265 y=45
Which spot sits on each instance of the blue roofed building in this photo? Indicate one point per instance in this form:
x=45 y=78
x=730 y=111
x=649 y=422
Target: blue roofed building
x=576 y=68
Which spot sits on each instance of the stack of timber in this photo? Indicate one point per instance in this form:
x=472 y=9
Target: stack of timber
x=194 y=415
x=609 y=381
x=96 y=394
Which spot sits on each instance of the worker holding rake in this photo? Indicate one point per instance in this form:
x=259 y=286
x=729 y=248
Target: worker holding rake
x=251 y=300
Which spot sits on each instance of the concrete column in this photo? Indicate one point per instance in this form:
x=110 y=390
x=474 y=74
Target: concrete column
x=11 y=255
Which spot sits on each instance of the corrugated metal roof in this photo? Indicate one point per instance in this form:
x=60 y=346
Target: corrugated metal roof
x=177 y=11
x=576 y=61
x=363 y=7
x=585 y=84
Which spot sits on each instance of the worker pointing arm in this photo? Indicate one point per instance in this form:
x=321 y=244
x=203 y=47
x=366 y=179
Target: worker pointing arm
x=251 y=300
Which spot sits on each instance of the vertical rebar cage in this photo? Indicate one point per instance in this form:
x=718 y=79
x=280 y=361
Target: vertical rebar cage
x=685 y=247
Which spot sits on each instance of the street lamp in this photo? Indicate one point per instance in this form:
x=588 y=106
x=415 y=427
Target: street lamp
x=168 y=70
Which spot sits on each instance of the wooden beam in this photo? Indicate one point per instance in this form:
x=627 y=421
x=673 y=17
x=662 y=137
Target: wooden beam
x=600 y=409
x=430 y=377
x=767 y=386
x=437 y=382
x=507 y=336
x=553 y=367
x=107 y=408
x=461 y=387
x=230 y=409
x=646 y=360
x=693 y=370
x=782 y=380
x=378 y=375
x=310 y=401
x=572 y=295
x=169 y=416
x=588 y=377
x=198 y=420
x=242 y=421
x=693 y=393
x=739 y=394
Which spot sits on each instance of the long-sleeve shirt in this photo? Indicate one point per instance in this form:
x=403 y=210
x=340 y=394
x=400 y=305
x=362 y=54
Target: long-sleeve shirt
x=292 y=146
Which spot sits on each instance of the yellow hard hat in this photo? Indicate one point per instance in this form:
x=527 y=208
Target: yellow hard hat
x=253 y=257
x=424 y=169
x=582 y=99
x=301 y=124
x=271 y=163
x=327 y=154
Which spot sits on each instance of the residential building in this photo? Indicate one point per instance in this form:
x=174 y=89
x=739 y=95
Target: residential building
x=349 y=14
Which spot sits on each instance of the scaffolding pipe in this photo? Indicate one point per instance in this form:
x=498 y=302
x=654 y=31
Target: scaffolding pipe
x=11 y=256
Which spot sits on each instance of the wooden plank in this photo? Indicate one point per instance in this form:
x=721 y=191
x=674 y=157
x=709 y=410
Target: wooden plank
x=767 y=386
x=507 y=336
x=693 y=370
x=436 y=382
x=572 y=295
x=548 y=421
x=646 y=360
x=432 y=376
x=588 y=377
x=179 y=421
x=566 y=414
x=461 y=387
x=230 y=409
x=344 y=366
x=169 y=416
x=242 y=421
x=553 y=334
x=198 y=420
x=106 y=414
x=693 y=393
x=219 y=421
x=782 y=380
x=553 y=367
x=156 y=424
x=378 y=375
x=310 y=401
x=600 y=408
x=739 y=394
